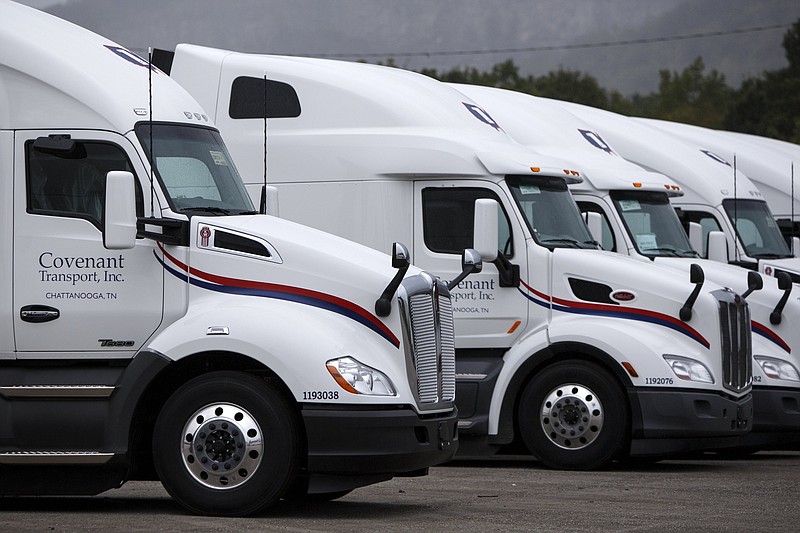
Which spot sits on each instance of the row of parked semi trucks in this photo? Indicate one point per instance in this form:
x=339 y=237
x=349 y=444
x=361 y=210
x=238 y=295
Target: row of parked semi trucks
x=167 y=319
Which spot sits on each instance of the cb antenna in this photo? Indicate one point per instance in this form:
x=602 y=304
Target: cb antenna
x=263 y=207
x=150 y=123
x=735 y=214
x=793 y=226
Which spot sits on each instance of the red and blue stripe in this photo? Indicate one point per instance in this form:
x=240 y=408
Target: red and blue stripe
x=261 y=289
x=770 y=335
x=613 y=311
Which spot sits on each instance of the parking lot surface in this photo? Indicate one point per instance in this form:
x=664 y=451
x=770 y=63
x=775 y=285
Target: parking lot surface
x=700 y=493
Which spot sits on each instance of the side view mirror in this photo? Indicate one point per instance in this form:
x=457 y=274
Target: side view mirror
x=785 y=284
x=754 y=283
x=696 y=237
x=717 y=247
x=594 y=221
x=269 y=200
x=119 y=222
x=796 y=246
x=485 y=229
x=401 y=260
x=470 y=262
x=696 y=277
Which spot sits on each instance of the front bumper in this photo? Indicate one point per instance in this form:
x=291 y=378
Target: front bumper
x=347 y=442
x=776 y=410
x=672 y=421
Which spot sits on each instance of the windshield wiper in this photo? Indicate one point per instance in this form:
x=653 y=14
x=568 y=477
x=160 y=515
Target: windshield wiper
x=673 y=251
x=573 y=242
x=770 y=256
x=209 y=209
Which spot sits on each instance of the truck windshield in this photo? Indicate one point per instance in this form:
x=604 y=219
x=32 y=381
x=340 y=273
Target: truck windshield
x=757 y=230
x=195 y=170
x=550 y=212
x=652 y=224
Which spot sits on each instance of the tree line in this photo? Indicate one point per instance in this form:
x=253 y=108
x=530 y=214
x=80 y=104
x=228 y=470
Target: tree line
x=767 y=105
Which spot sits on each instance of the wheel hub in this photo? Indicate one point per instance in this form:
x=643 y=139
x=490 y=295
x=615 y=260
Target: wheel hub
x=571 y=416
x=222 y=445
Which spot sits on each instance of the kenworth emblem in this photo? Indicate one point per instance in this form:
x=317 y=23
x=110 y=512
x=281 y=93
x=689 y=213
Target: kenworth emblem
x=205 y=234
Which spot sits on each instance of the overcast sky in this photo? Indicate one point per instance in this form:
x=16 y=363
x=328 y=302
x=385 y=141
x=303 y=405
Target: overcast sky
x=538 y=35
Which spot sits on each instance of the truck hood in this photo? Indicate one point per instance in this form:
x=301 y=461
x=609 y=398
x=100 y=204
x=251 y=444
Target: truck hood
x=605 y=283
x=782 y=336
x=268 y=257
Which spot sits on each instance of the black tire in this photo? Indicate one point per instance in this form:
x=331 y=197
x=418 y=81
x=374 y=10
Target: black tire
x=248 y=438
x=574 y=416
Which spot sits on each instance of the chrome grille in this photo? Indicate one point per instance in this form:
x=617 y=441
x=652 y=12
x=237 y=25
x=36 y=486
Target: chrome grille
x=448 y=348
x=736 y=343
x=433 y=342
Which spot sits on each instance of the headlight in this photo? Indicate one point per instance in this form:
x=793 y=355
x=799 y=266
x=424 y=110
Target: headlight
x=689 y=369
x=359 y=378
x=777 y=369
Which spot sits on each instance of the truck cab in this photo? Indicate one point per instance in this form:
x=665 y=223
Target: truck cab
x=769 y=165
x=635 y=217
x=577 y=354
x=157 y=327
x=717 y=196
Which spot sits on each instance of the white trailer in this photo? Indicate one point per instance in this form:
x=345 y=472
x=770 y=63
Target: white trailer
x=236 y=357
x=716 y=196
x=579 y=354
x=635 y=218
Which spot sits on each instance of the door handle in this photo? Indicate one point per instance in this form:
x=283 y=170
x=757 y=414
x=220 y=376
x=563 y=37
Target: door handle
x=38 y=313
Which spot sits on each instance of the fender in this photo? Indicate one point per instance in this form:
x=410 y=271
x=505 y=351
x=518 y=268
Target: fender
x=575 y=350
x=643 y=348
x=292 y=340
x=589 y=337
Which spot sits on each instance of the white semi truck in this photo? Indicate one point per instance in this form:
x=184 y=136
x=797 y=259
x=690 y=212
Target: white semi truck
x=236 y=357
x=769 y=165
x=637 y=219
x=716 y=196
x=581 y=355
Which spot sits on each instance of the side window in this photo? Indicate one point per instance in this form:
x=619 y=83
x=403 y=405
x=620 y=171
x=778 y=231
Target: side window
x=607 y=241
x=255 y=97
x=72 y=182
x=448 y=217
x=707 y=222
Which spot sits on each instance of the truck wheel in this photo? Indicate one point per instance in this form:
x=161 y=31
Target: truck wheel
x=574 y=416
x=226 y=443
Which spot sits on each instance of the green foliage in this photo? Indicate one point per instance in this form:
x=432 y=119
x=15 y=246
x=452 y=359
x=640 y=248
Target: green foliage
x=768 y=105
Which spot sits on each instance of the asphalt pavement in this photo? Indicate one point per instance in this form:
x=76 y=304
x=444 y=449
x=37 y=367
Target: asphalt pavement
x=701 y=493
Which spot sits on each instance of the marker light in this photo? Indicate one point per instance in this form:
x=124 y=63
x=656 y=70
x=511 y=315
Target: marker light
x=777 y=369
x=689 y=369
x=358 y=378
x=637 y=184
x=629 y=367
x=536 y=169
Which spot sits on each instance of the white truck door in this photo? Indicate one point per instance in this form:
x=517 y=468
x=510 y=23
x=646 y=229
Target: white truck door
x=70 y=293
x=6 y=229
x=487 y=315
